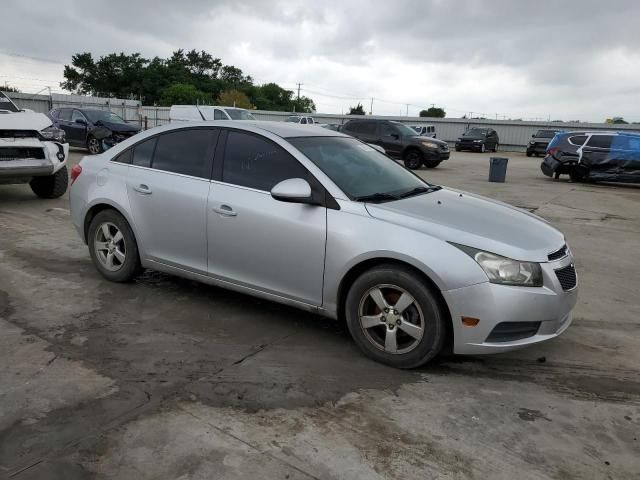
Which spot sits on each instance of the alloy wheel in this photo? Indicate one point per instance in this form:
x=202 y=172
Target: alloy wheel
x=391 y=319
x=94 y=146
x=110 y=247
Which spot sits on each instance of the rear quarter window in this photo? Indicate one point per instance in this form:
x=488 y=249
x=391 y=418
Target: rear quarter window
x=577 y=140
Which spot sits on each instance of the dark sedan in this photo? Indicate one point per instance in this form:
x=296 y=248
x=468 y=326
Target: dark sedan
x=92 y=129
x=478 y=140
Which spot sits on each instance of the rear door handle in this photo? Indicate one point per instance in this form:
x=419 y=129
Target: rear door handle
x=143 y=189
x=225 y=210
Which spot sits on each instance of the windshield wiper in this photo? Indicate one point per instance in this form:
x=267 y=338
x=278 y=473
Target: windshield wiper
x=376 y=197
x=419 y=190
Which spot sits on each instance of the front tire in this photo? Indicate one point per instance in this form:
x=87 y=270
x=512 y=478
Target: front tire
x=413 y=159
x=113 y=247
x=483 y=148
x=495 y=148
x=51 y=186
x=94 y=145
x=432 y=163
x=394 y=317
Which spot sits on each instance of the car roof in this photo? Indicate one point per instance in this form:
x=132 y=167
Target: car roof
x=280 y=129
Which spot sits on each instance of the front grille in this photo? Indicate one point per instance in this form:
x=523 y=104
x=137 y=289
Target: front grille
x=567 y=277
x=558 y=254
x=510 y=331
x=18 y=134
x=20 y=153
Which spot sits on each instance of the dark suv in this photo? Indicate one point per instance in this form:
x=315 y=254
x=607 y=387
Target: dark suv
x=539 y=142
x=399 y=141
x=92 y=128
x=478 y=140
x=594 y=156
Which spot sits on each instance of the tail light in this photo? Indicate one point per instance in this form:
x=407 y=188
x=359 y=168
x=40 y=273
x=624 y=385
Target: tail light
x=75 y=173
x=552 y=151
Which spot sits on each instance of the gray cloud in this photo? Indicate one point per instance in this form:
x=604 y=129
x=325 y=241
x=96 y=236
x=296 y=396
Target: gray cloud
x=559 y=58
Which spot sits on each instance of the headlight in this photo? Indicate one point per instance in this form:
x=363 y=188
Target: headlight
x=429 y=144
x=477 y=141
x=53 y=133
x=505 y=271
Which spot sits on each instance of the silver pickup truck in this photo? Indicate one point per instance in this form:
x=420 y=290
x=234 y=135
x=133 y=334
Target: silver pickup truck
x=32 y=151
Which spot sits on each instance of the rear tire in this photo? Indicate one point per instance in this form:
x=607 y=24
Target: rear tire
x=407 y=338
x=113 y=247
x=432 y=163
x=413 y=159
x=51 y=186
x=576 y=174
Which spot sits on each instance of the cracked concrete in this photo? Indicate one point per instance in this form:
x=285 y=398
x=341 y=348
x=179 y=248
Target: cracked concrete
x=168 y=378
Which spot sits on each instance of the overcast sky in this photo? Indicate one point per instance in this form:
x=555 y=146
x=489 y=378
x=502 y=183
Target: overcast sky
x=559 y=59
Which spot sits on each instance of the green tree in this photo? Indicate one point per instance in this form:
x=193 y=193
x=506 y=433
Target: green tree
x=234 y=98
x=185 y=94
x=304 y=105
x=617 y=121
x=435 y=112
x=357 y=110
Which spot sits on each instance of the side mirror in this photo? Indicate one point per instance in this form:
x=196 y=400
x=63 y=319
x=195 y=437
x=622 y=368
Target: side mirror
x=292 y=190
x=81 y=121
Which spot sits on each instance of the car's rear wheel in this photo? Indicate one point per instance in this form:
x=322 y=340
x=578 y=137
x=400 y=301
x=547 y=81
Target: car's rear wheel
x=394 y=317
x=413 y=159
x=94 y=145
x=577 y=174
x=432 y=163
x=113 y=247
x=51 y=186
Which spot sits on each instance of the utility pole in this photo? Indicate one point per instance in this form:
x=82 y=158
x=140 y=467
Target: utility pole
x=407 y=109
x=299 y=85
x=371 y=108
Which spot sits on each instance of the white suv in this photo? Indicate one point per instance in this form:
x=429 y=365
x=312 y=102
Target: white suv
x=301 y=120
x=32 y=151
x=195 y=113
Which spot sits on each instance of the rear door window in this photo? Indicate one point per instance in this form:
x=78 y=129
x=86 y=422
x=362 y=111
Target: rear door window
x=143 y=152
x=368 y=128
x=188 y=152
x=600 y=141
x=219 y=115
x=256 y=162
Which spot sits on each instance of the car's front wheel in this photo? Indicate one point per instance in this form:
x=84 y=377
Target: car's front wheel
x=94 y=145
x=413 y=159
x=432 y=163
x=394 y=317
x=483 y=148
x=113 y=246
x=51 y=186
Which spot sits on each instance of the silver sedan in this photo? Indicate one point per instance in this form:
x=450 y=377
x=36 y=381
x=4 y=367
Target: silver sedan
x=321 y=221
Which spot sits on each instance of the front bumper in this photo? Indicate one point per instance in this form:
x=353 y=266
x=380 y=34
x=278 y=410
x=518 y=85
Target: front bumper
x=52 y=157
x=493 y=304
x=537 y=149
x=469 y=146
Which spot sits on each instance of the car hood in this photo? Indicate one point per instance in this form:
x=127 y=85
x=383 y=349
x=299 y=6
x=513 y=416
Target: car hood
x=424 y=138
x=475 y=221
x=119 y=127
x=24 y=121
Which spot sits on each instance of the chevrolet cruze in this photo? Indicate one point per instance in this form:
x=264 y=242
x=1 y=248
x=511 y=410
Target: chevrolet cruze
x=321 y=221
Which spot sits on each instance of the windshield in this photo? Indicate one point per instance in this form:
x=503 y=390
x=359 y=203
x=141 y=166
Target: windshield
x=546 y=133
x=95 y=116
x=239 y=114
x=404 y=130
x=293 y=119
x=356 y=168
x=475 y=132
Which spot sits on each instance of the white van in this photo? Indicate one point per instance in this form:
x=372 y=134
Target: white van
x=425 y=130
x=194 y=113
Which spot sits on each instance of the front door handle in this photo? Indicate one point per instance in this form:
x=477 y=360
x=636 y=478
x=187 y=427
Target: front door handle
x=225 y=210
x=143 y=189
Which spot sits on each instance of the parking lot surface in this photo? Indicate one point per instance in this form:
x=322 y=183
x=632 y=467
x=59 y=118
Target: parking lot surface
x=168 y=378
